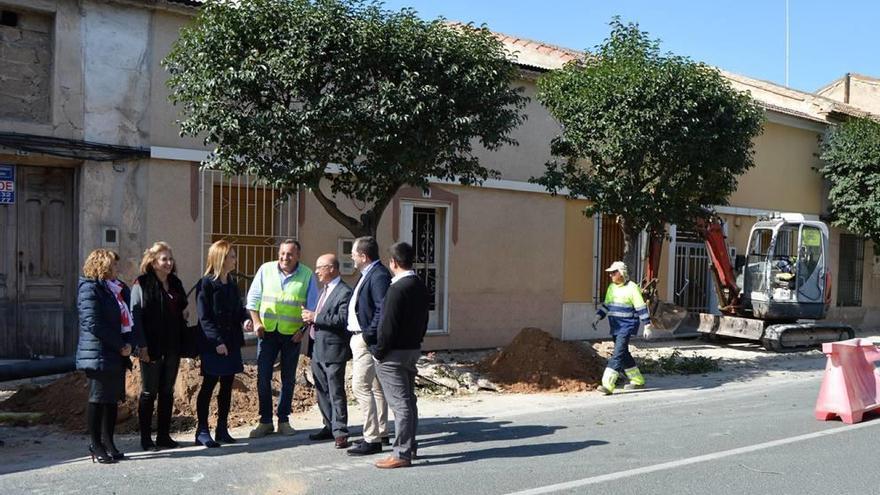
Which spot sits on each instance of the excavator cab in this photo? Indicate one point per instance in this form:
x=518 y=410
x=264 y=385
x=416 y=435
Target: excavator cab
x=786 y=275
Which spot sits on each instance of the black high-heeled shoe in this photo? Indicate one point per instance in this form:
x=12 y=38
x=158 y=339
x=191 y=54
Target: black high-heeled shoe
x=148 y=446
x=100 y=455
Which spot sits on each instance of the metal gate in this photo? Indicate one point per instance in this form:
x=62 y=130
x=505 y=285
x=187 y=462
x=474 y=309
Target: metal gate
x=610 y=250
x=252 y=216
x=692 y=280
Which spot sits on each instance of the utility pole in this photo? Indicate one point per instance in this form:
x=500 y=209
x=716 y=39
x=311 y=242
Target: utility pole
x=787 y=43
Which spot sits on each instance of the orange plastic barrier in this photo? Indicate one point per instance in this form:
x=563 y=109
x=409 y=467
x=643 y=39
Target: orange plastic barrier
x=851 y=385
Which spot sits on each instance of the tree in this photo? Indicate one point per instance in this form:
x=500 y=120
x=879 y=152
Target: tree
x=344 y=94
x=649 y=138
x=851 y=155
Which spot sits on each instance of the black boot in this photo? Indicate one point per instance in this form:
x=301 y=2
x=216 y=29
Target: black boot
x=96 y=449
x=108 y=429
x=145 y=422
x=163 y=423
x=221 y=433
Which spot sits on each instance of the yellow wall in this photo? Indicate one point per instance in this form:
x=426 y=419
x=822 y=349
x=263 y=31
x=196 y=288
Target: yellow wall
x=579 y=233
x=783 y=178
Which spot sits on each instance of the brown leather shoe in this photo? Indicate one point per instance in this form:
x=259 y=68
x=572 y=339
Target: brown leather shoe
x=342 y=443
x=392 y=462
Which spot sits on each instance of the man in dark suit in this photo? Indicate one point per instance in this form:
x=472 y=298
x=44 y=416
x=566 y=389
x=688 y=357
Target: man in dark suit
x=398 y=347
x=329 y=350
x=363 y=322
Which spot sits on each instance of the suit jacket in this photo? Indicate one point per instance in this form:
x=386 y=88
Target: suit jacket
x=368 y=306
x=331 y=335
x=404 y=317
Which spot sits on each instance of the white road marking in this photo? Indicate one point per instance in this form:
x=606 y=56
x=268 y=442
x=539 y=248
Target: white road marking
x=692 y=460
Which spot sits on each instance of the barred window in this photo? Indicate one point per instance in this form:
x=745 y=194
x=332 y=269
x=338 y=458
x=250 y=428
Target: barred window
x=852 y=261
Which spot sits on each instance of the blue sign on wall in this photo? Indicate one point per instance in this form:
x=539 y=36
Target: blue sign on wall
x=7 y=184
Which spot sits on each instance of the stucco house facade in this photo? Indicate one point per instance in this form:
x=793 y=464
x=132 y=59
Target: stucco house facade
x=87 y=129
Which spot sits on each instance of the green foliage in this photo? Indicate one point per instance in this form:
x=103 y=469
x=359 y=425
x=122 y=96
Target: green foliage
x=851 y=152
x=284 y=88
x=648 y=137
x=676 y=364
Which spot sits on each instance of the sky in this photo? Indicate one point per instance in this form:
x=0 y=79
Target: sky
x=827 y=39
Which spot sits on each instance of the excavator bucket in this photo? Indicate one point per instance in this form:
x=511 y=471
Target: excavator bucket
x=668 y=316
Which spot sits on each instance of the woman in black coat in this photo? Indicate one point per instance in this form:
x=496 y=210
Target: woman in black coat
x=158 y=303
x=222 y=318
x=105 y=325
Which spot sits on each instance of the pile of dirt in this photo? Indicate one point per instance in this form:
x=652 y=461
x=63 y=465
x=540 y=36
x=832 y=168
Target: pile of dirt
x=537 y=362
x=63 y=402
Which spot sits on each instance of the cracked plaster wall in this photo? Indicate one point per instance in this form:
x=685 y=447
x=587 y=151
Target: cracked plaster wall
x=115 y=195
x=116 y=47
x=26 y=68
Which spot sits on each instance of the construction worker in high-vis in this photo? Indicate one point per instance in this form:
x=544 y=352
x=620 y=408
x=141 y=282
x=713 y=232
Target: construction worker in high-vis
x=626 y=309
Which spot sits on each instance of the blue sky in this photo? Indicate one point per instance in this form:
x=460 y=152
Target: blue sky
x=827 y=38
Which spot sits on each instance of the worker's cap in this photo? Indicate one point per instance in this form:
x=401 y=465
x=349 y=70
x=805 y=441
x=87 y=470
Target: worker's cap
x=617 y=266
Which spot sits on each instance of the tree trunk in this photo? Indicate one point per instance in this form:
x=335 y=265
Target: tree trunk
x=368 y=223
x=630 y=247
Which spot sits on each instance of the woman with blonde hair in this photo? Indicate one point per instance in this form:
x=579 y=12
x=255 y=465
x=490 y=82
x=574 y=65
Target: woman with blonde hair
x=158 y=302
x=105 y=329
x=222 y=317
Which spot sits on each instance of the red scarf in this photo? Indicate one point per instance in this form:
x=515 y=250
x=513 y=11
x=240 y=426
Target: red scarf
x=124 y=313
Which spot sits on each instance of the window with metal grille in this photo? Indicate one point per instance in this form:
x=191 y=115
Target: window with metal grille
x=251 y=215
x=852 y=261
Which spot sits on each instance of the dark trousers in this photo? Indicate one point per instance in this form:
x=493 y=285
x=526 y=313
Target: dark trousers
x=268 y=349
x=397 y=374
x=330 y=390
x=621 y=359
x=157 y=378
x=224 y=401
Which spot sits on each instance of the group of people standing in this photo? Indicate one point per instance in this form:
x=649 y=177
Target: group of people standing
x=379 y=324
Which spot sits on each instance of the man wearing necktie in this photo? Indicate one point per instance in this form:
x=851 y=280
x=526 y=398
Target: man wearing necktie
x=329 y=350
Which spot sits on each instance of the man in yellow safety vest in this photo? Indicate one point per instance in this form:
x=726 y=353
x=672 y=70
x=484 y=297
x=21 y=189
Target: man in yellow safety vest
x=277 y=296
x=625 y=308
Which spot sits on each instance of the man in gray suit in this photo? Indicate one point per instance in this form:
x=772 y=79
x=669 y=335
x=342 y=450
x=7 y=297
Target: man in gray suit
x=329 y=350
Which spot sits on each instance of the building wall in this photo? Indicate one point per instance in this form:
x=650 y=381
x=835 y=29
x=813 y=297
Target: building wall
x=25 y=68
x=864 y=92
x=164 y=131
x=114 y=195
x=526 y=160
x=64 y=115
x=169 y=216
x=783 y=178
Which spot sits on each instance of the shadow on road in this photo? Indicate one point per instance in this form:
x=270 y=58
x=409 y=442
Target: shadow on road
x=532 y=450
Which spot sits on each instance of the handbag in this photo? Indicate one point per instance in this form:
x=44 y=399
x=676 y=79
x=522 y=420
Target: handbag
x=190 y=339
x=191 y=335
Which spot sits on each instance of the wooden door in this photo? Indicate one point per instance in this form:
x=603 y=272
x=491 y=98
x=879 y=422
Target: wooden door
x=45 y=267
x=8 y=282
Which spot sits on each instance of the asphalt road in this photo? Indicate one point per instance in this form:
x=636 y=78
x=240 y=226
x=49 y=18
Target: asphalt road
x=729 y=433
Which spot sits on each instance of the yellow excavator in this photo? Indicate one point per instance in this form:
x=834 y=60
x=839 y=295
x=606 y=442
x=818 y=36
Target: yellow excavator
x=781 y=294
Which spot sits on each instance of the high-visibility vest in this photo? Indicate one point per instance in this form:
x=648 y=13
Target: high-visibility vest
x=281 y=309
x=624 y=301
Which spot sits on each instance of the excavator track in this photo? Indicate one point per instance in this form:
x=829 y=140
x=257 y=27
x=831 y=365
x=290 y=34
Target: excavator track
x=794 y=337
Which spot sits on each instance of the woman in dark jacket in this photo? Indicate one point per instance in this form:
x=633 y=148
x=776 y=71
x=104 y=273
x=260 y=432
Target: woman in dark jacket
x=158 y=303
x=222 y=317
x=105 y=325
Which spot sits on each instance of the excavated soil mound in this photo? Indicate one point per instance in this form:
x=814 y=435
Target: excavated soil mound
x=63 y=402
x=537 y=362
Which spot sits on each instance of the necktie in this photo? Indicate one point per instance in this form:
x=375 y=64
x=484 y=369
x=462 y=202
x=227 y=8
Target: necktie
x=318 y=310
